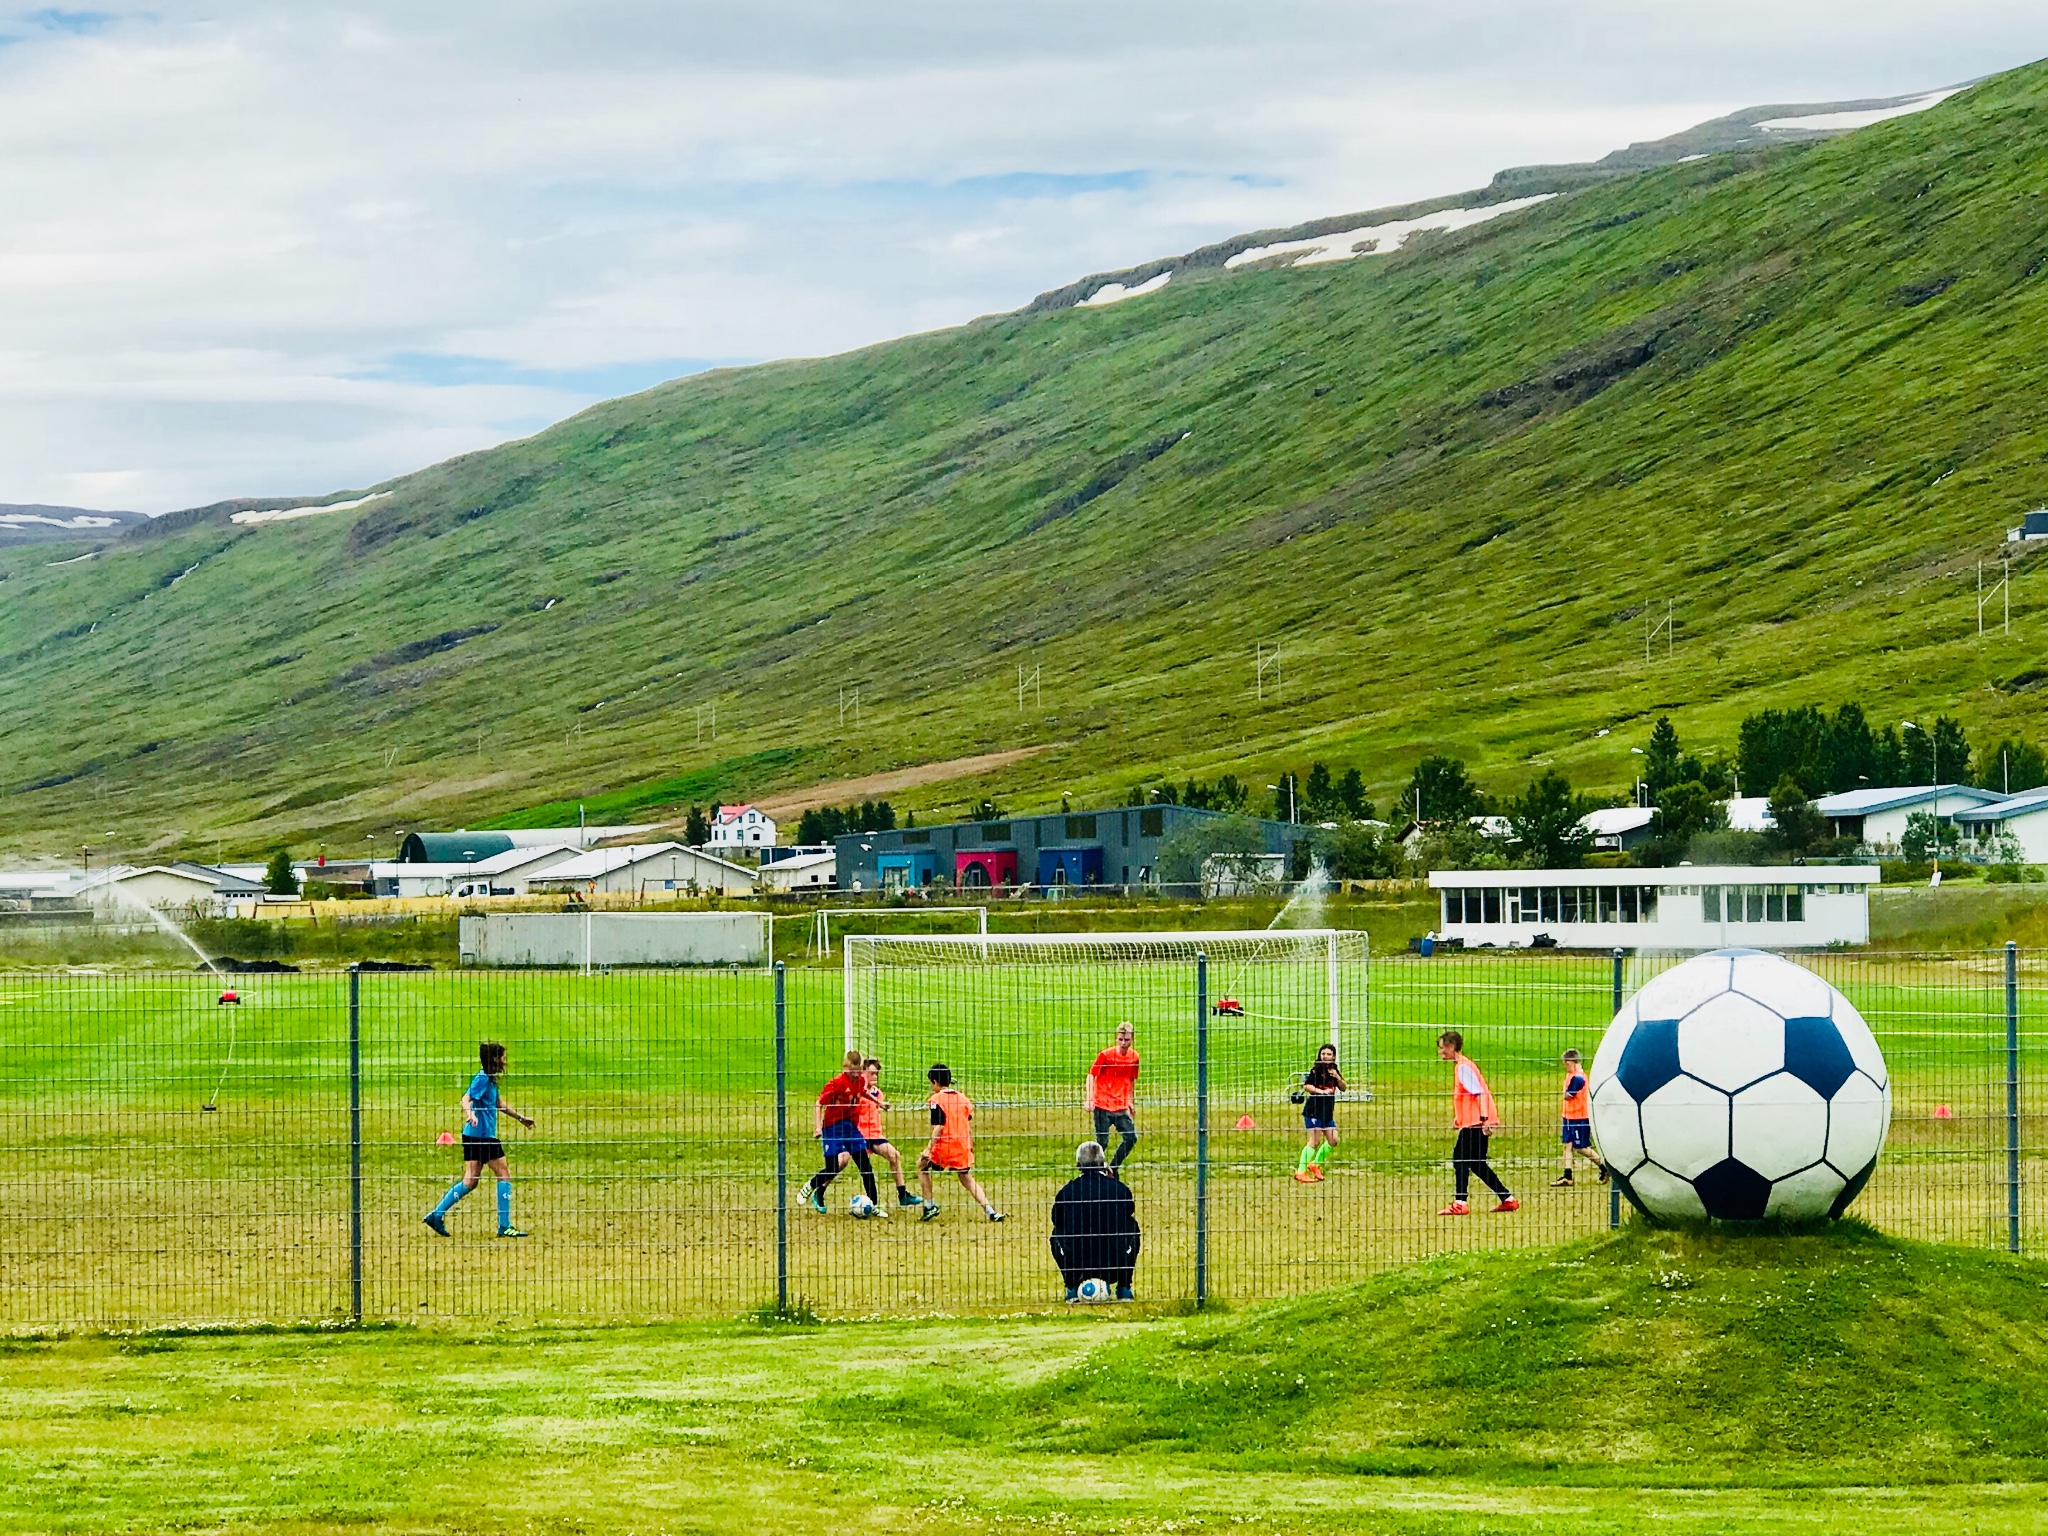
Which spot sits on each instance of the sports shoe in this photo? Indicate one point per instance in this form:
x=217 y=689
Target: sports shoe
x=1303 y=1176
x=931 y=1209
x=1456 y=1208
x=1072 y=1295
x=435 y=1224
x=880 y=1212
x=1603 y=1173
x=995 y=1215
x=905 y=1197
x=1562 y=1181
x=815 y=1201
x=1508 y=1203
x=1315 y=1171
x=512 y=1232
x=1123 y=1293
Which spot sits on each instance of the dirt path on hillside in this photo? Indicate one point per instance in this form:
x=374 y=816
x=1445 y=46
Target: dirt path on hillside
x=875 y=785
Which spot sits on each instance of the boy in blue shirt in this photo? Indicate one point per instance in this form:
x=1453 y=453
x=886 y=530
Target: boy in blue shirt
x=480 y=1144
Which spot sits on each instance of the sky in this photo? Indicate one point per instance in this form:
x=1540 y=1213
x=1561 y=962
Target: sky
x=287 y=249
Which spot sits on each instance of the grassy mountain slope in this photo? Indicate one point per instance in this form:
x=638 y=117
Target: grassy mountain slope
x=1788 y=392
x=1833 y=1383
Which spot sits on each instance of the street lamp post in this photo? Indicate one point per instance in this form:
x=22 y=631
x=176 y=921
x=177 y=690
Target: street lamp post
x=1934 y=767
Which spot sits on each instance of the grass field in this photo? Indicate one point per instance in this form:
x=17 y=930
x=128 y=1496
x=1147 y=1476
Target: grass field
x=1833 y=1383
x=1772 y=389
x=650 y=1186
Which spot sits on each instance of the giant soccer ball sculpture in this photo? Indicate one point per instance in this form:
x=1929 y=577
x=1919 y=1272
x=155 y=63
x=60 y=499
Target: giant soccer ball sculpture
x=1739 y=1086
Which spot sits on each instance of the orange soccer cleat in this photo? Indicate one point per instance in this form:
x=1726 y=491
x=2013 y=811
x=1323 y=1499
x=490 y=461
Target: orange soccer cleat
x=1456 y=1208
x=1508 y=1204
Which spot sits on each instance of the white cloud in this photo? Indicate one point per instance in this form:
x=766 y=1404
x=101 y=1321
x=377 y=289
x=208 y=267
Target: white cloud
x=265 y=250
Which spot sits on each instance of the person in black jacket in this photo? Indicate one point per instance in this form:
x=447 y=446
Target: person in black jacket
x=1095 y=1227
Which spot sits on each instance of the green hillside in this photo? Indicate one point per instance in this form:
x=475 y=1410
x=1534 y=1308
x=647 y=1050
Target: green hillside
x=1831 y=1383
x=1788 y=393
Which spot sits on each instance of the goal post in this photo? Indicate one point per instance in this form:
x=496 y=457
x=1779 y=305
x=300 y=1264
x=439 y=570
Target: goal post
x=1023 y=1015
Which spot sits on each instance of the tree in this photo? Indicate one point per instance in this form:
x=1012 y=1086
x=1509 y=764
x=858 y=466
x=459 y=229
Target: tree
x=1661 y=759
x=1351 y=794
x=2011 y=766
x=1548 y=821
x=697 y=831
x=1851 y=752
x=1458 y=845
x=1797 y=826
x=1235 y=843
x=1228 y=794
x=1773 y=743
x=1287 y=798
x=1355 y=852
x=1319 y=795
x=1443 y=791
x=1927 y=836
x=1684 y=811
x=1939 y=754
x=986 y=810
x=279 y=878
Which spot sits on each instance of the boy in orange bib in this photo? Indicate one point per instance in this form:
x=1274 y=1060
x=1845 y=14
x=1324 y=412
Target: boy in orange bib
x=1474 y=1117
x=1576 y=1105
x=952 y=1145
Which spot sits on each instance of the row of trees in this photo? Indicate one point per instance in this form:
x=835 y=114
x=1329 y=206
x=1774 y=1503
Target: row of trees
x=1826 y=754
x=822 y=823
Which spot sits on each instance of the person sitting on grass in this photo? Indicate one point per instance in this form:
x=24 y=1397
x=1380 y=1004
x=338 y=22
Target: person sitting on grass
x=1577 y=1129
x=836 y=1124
x=1095 y=1227
x=480 y=1145
x=1475 y=1119
x=952 y=1145
x=876 y=1135
x=1319 y=1090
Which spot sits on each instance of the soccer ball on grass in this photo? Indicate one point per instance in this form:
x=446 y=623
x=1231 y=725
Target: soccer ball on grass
x=1093 y=1291
x=1739 y=1086
x=860 y=1206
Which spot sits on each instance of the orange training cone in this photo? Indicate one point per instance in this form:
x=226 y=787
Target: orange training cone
x=1244 y=1123
x=1943 y=1112
x=446 y=1138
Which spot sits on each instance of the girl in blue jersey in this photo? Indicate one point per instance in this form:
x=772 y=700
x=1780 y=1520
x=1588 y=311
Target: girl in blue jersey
x=480 y=1144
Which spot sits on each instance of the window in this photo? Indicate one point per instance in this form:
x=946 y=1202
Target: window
x=1647 y=899
x=1795 y=905
x=1774 y=904
x=1628 y=903
x=995 y=831
x=1550 y=904
x=1568 y=904
x=1529 y=904
x=1753 y=896
x=1152 y=823
x=1710 y=903
x=1607 y=903
x=1491 y=899
x=1080 y=826
x=917 y=835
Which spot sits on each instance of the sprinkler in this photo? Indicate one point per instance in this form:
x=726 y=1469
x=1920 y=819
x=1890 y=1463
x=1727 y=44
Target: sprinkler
x=231 y=997
x=1228 y=1007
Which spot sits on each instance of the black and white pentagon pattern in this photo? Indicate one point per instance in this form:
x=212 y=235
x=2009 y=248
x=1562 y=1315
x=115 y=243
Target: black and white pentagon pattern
x=1739 y=1086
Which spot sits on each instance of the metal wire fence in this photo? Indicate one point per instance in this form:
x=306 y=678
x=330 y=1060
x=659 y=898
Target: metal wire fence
x=167 y=1157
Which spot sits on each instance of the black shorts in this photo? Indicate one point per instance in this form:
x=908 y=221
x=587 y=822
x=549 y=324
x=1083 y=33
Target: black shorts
x=1119 y=1120
x=481 y=1149
x=1319 y=1112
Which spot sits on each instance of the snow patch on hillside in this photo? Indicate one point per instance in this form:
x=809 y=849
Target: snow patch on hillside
x=286 y=514
x=1116 y=293
x=1843 y=122
x=1378 y=239
x=83 y=521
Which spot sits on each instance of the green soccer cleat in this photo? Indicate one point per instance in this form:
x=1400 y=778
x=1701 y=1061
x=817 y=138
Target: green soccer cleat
x=435 y=1224
x=905 y=1197
x=816 y=1202
x=931 y=1209
x=512 y=1232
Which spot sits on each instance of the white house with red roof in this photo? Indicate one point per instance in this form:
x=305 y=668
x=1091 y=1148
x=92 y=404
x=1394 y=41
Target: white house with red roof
x=742 y=826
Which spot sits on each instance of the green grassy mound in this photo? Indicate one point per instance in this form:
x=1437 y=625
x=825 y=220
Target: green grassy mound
x=1838 y=1356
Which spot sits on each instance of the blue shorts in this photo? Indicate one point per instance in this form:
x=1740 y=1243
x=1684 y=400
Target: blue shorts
x=1319 y=1112
x=1577 y=1133
x=844 y=1137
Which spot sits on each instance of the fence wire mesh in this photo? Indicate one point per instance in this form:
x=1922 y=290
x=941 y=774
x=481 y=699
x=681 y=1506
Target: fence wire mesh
x=170 y=1158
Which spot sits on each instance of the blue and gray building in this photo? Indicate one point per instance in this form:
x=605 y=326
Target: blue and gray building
x=1071 y=848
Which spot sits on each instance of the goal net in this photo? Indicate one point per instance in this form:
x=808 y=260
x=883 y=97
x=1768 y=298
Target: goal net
x=1020 y=1017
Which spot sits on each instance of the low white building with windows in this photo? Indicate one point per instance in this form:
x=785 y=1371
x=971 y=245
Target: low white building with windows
x=1878 y=817
x=1799 y=906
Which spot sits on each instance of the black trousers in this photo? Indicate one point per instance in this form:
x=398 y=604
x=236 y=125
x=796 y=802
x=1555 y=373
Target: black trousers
x=1469 y=1157
x=1112 y=1259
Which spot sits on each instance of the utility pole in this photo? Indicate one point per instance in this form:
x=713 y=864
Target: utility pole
x=1267 y=659
x=1028 y=682
x=2001 y=588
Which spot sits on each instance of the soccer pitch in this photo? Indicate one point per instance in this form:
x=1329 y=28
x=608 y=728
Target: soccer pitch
x=649 y=1183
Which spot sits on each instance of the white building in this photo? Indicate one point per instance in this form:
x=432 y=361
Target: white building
x=806 y=872
x=647 y=869
x=1703 y=907
x=1750 y=813
x=1620 y=826
x=2024 y=816
x=509 y=873
x=167 y=888
x=742 y=826
x=1877 y=817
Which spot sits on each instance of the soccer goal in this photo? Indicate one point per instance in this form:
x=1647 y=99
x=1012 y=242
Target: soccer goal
x=1023 y=1015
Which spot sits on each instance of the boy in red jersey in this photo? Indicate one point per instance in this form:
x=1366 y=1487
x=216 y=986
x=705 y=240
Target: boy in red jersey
x=837 y=1122
x=1112 y=1084
x=1475 y=1119
x=952 y=1145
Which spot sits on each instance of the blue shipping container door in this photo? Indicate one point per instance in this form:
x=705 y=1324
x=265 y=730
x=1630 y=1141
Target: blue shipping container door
x=1070 y=866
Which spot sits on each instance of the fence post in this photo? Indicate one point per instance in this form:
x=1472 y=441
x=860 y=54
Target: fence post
x=1614 y=1189
x=781 y=1140
x=1201 y=1130
x=2012 y=1097
x=355 y=1144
